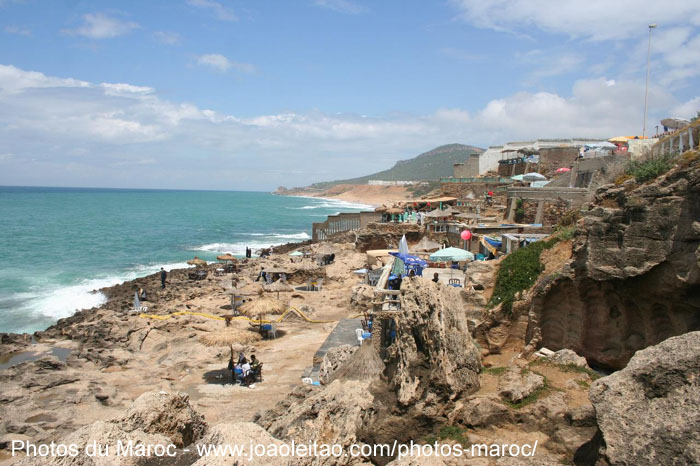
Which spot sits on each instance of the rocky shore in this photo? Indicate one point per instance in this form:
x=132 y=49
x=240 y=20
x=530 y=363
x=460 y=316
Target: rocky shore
x=594 y=363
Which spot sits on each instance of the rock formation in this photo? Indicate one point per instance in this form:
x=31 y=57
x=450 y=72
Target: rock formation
x=155 y=419
x=648 y=412
x=434 y=357
x=386 y=235
x=635 y=276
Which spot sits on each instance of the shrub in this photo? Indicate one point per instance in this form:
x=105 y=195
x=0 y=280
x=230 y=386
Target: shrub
x=649 y=168
x=518 y=272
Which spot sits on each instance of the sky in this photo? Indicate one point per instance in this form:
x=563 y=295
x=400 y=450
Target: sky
x=252 y=95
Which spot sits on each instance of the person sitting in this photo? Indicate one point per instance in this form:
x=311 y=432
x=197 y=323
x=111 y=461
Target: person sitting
x=262 y=275
x=411 y=273
x=245 y=373
x=436 y=277
x=142 y=295
x=255 y=367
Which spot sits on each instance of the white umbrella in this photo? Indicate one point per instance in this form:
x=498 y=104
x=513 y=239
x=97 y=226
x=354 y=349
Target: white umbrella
x=403 y=246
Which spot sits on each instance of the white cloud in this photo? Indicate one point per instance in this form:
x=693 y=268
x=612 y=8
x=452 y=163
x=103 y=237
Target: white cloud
x=592 y=19
x=341 y=6
x=220 y=11
x=687 y=109
x=19 y=31
x=221 y=63
x=67 y=131
x=13 y=80
x=166 y=37
x=101 y=26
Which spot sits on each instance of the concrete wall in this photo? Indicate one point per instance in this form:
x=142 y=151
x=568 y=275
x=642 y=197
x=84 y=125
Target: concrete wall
x=341 y=223
x=637 y=148
x=552 y=158
x=584 y=170
x=468 y=169
x=489 y=160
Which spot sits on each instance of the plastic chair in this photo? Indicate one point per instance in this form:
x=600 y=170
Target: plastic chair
x=272 y=333
x=319 y=284
x=359 y=333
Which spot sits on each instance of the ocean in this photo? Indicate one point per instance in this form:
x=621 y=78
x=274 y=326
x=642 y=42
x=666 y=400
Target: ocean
x=57 y=245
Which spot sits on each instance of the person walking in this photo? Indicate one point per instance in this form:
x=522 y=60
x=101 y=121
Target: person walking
x=163 y=276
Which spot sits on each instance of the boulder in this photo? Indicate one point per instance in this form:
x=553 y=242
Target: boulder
x=333 y=360
x=334 y=414
x=483 y=412
x=169 y=414
x=242 y=434
x=362 y=296
x=566 y=356
x=516 y=385
x=648 y=412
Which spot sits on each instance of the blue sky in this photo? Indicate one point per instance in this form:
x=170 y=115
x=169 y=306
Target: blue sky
x=253 y=95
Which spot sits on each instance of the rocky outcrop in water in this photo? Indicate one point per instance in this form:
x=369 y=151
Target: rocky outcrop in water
x=635 y=276
x=648 y=412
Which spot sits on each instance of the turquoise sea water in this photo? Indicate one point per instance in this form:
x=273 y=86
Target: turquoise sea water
x=59 y=244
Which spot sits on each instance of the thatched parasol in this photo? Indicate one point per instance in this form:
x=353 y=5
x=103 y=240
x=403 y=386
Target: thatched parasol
x=278 y=286
x=381 y=209
x=226 y=258
x=234 y=337
x=197 y=262
x=262 y=306
x=394 y=210
x=364 y=364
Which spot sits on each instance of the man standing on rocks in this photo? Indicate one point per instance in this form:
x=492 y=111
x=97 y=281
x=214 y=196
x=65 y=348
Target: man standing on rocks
x=163 y=275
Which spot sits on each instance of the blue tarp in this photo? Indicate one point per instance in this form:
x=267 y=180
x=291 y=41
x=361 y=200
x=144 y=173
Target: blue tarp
x=410 y=260
x=493 y=242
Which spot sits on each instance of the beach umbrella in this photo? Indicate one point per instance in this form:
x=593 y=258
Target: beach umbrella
x=675 y=123
x=451 y=254
x=238 y=292
x=403 y=246
x=619 y=139
x=235 y=337
x=197 y=262
x=517 y=178
x=226 y=257
x=296 y=254
x=262 y=306
x=563 y=170
x=426 y=245
x=532 y=176
x=278 y=286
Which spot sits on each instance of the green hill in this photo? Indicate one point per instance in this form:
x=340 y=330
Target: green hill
x=427 y=166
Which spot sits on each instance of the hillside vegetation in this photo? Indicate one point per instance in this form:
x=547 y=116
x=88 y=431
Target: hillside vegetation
x=427 y=166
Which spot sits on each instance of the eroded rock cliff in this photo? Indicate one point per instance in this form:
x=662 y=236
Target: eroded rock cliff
x=634 y=279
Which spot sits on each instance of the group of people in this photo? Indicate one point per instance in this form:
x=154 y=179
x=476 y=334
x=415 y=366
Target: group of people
x=248 y=252
x=244 y=371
